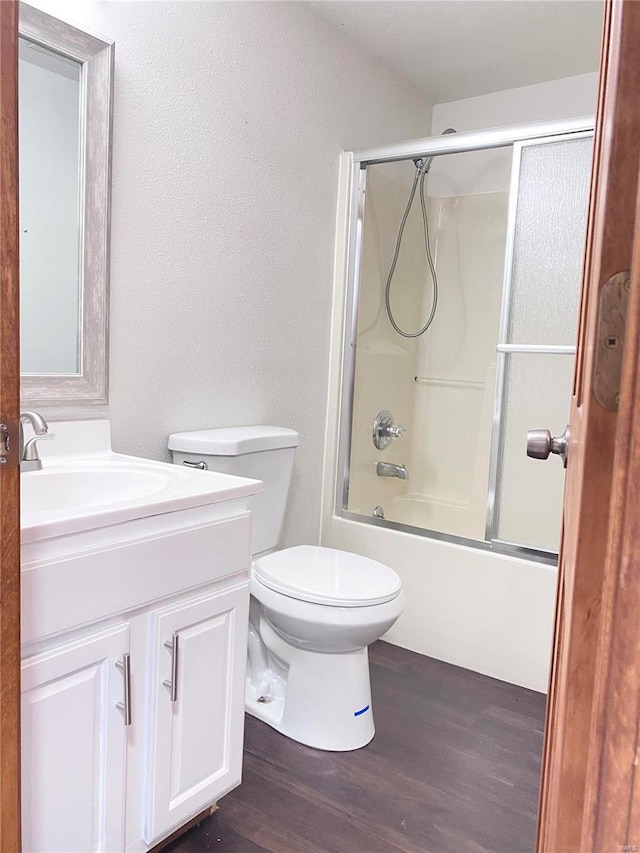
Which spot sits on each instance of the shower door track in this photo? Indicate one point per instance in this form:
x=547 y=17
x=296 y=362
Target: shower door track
x=472 y=140
x=477 y=140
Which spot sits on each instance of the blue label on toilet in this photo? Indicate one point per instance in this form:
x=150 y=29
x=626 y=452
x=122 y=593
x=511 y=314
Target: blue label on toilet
x=361 y=711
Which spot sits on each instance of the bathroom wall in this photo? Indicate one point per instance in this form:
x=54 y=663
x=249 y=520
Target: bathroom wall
x=541 y=102
x=229 y=121
x=487 y=612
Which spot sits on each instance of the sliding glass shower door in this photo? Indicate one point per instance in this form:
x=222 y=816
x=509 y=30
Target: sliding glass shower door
x=538 y=334
x=505 y=225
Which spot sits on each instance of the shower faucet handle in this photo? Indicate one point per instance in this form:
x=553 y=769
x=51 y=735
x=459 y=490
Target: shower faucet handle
x=385 y=430
x=395 y=431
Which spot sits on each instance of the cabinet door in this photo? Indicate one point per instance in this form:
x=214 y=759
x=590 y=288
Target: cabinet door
x=73 y=746
x=197 y=707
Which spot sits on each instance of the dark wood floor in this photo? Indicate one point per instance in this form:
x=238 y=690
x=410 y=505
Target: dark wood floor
x=454 y=767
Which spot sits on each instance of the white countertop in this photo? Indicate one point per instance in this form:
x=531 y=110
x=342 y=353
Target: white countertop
x=84 y=485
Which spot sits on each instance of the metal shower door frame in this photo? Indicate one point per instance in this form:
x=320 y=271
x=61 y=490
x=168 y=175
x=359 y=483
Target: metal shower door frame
x=504 y=348
x=477 y=140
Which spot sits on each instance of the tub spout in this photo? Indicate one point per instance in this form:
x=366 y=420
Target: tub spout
x=389 y=469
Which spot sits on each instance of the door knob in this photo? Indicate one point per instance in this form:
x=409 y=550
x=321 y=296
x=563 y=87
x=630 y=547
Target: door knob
x=540 y=444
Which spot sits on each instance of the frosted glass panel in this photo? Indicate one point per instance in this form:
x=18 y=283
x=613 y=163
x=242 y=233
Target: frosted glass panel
x=549 y=242
x=529 y=494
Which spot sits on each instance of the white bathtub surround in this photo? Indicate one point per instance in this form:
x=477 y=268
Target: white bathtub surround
x=229 y=119
x=314 y=610
x=135 y=599
x=486 y=612
x=385 y=378
x=490 y=613
x=445 y=377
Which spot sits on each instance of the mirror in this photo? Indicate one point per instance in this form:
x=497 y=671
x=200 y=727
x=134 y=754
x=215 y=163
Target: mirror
x=65 y=93
x=49 y=135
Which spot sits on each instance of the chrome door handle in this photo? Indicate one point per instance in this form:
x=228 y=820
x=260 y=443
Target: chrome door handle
x=172 y=685
x=541 y=444
x=124 y=666
x=202 y=466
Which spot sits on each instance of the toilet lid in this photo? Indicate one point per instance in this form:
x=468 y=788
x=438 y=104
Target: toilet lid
x=327 y=576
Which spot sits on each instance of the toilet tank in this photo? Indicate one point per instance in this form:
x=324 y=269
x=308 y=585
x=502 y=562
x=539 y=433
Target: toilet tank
x=262 y=452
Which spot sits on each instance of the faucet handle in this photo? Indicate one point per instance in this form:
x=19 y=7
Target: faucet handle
x=384 y=430
x=30 y=452
x=396 y=431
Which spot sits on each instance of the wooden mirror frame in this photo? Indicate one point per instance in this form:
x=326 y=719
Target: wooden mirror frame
x=90 y=385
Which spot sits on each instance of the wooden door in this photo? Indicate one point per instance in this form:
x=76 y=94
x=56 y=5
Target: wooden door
x=196 y=709
x=599 y=577
x=74 y=745
x=9 y=411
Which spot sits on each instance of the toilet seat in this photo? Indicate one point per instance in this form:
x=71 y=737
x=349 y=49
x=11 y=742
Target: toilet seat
x=327 y=576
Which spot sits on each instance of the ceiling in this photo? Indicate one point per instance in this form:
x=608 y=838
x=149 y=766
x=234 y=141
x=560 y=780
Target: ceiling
x=459 y=48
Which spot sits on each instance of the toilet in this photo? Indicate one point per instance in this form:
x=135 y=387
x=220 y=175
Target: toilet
x=314 y=610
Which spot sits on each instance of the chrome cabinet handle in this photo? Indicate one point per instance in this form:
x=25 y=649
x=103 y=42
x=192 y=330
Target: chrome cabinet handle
x=172 y=685
x=201 y=465
x=124 y=666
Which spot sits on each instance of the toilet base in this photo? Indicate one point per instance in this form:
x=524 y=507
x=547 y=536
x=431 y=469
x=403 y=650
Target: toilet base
x=320 y=700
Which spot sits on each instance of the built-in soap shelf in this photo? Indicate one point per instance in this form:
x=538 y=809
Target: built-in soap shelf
x=384 y=349
x=449 y=382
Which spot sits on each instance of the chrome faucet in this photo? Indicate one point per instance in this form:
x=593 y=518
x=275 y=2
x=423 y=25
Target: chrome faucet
x=30 y=458
x=385 y=430
x=389 y=469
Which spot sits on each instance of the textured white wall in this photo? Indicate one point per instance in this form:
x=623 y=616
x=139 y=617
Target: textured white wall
x=229 y=120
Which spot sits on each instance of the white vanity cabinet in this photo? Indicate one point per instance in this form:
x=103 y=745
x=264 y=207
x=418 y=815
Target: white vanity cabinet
x=172 y=593
x=74 y=745
x=196 y=707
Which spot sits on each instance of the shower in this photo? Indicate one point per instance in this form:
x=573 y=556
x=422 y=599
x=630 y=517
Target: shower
x=423 y=165
x=476 y=522
x=493 y=361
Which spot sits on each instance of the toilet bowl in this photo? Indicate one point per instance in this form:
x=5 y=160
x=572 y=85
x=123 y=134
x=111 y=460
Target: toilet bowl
x=314 y=610
x=308 y=668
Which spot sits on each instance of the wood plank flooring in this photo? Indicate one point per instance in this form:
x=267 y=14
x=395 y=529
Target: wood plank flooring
x=454 y=768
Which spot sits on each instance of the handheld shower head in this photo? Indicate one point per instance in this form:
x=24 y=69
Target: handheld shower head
x=423 y=164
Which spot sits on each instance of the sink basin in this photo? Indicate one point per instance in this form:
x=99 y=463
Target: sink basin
x=97 y=487
x=64 y=490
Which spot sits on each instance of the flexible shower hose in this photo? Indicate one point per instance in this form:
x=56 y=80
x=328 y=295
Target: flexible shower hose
x=421 y=174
